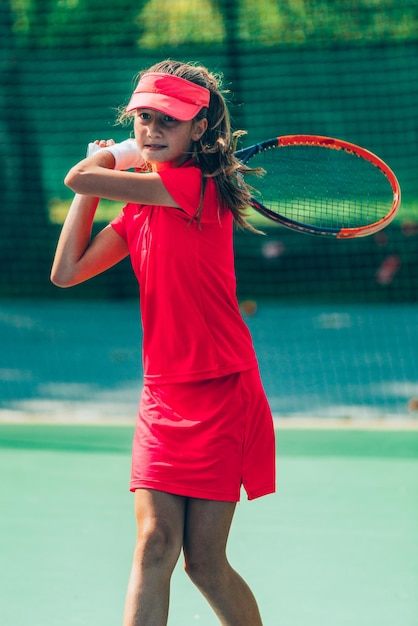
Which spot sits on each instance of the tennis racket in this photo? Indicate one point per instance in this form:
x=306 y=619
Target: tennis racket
x=322 y=186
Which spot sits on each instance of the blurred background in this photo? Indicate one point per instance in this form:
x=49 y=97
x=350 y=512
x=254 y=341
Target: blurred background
x=335 y=323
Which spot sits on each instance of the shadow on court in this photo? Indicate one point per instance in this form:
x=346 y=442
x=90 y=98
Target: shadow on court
x=336 y=546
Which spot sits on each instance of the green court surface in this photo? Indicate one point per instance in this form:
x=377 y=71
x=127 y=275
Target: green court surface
x=336 y=546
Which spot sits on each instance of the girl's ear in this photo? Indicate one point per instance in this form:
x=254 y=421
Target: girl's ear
x=199 y=129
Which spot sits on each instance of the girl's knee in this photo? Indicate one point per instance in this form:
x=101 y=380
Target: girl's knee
x=157 y=545
x=204 y=570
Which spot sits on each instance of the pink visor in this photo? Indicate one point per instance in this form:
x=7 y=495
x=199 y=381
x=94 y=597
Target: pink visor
x=172 y=95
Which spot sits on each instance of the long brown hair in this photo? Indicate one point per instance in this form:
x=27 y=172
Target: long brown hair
x=214 y=151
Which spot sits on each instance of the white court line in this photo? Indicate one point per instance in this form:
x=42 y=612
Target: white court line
x=280 y=423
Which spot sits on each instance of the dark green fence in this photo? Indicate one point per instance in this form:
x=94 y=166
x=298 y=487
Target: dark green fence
x=55 y=102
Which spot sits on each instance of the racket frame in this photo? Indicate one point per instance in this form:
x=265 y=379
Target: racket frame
x=246 y=154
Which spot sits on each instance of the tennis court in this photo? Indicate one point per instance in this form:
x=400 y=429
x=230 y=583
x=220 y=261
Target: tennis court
x=336 y=545
x=338 y=542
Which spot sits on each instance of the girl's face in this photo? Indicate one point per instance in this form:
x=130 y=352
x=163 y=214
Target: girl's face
x=163 y=140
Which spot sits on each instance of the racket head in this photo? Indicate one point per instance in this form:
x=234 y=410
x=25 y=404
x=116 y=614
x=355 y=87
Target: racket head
x=322 y=186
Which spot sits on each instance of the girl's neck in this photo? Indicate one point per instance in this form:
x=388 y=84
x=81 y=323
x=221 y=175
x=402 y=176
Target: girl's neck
x=159 y=167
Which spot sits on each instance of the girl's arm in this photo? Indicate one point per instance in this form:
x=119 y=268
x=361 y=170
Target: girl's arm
x=95 y=176
x=77 y=258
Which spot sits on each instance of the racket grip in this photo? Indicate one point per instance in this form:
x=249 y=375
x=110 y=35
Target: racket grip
x=126 y=154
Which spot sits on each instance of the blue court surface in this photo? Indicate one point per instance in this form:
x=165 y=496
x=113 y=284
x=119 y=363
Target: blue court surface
x=82 y=361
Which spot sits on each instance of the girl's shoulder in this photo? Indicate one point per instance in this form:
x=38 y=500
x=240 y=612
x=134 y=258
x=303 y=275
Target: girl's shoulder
x=188 y=188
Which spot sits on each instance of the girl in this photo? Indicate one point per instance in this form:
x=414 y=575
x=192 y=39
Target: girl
x=204 y=426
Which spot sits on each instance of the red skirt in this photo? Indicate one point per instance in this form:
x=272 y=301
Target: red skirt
x=205 y=439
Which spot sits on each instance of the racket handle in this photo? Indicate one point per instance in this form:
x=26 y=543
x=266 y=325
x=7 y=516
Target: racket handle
x=125 y=153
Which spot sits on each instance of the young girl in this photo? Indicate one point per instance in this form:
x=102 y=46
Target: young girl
x=204 y=426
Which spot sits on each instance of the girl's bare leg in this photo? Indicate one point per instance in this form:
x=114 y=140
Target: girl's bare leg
x=160 y=523
x=207 y=527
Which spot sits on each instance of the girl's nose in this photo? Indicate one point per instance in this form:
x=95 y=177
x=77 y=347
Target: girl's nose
x=154 y=128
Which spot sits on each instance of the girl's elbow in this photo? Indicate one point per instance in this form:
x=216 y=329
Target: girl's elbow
x=78 y=179
x=61 y=279
x=58 y=281
x=72 y=178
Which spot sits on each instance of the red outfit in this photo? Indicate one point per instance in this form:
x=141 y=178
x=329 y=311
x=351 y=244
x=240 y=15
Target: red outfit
x=192 y=326
x=192 y=332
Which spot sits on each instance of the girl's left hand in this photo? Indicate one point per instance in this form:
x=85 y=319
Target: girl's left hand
x=125 y=153
x=95 y=146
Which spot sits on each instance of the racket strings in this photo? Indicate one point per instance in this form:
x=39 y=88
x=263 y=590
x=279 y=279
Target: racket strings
x=322 y=187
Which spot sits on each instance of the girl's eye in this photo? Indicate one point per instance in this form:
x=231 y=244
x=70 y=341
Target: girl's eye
x=144 y=116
